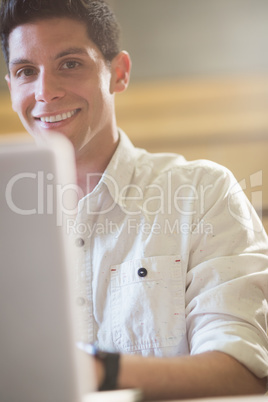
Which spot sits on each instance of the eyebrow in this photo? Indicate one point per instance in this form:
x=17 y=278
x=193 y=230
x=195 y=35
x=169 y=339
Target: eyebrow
x=18 y=61
x=70 y=51
x=67 y=52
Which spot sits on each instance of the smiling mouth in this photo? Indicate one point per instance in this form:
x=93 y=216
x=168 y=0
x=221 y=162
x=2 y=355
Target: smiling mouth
x=57 y=118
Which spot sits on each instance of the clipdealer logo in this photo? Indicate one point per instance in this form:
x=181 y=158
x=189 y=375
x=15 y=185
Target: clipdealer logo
x=133 y=199
x=49 y=197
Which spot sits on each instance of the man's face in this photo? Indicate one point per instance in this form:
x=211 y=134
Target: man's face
x=60 y=81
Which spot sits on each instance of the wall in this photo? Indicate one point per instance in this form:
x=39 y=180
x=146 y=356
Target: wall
x=178 y=38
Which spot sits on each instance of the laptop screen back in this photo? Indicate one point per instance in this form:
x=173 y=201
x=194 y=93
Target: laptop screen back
x=38 y=359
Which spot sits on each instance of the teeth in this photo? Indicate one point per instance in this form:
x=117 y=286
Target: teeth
x=58 y=117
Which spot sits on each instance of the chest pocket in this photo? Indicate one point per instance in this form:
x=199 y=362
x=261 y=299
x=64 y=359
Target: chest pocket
x=147 y=304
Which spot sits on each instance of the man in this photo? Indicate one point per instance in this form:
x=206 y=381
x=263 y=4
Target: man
x=172 y=272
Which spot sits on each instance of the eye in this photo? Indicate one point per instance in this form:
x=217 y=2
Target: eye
x=71 y=64
x=25 y=72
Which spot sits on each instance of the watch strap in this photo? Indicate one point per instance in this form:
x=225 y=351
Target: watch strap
x=111 y=369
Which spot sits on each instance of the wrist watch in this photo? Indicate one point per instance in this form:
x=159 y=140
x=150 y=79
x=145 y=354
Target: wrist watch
x=111 y=368
x=110 y=363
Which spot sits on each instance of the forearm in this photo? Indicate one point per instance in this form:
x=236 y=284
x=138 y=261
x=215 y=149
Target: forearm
x=204 y=375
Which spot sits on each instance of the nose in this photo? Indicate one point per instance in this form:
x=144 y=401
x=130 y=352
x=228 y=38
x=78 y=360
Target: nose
x=48 y=88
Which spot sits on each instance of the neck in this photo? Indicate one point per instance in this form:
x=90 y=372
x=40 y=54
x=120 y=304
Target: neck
x=92 y=160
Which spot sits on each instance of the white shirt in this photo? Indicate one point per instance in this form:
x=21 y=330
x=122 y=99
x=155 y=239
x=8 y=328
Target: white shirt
x=203 y=252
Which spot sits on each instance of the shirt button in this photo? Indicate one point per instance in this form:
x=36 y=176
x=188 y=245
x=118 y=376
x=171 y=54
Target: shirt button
x=80 y=301
x=79 y=242
x=142 y=272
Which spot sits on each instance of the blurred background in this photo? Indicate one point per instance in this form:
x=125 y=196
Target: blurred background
x=199 y=84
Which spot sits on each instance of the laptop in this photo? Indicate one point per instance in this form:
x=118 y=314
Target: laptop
x=39 y=360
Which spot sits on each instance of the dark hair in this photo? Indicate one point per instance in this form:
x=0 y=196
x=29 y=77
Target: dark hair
x=101 y=23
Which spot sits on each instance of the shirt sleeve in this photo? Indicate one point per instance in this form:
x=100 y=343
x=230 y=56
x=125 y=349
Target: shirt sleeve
x=227 y=278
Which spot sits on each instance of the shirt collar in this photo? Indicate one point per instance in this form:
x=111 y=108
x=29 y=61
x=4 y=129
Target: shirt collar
x=119 y=171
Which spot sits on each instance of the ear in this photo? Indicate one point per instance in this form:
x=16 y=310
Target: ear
x=120 y=70
x=7 y=78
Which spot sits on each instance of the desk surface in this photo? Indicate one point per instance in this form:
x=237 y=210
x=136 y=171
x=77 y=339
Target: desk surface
x=130 y=396
x=255 y=398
